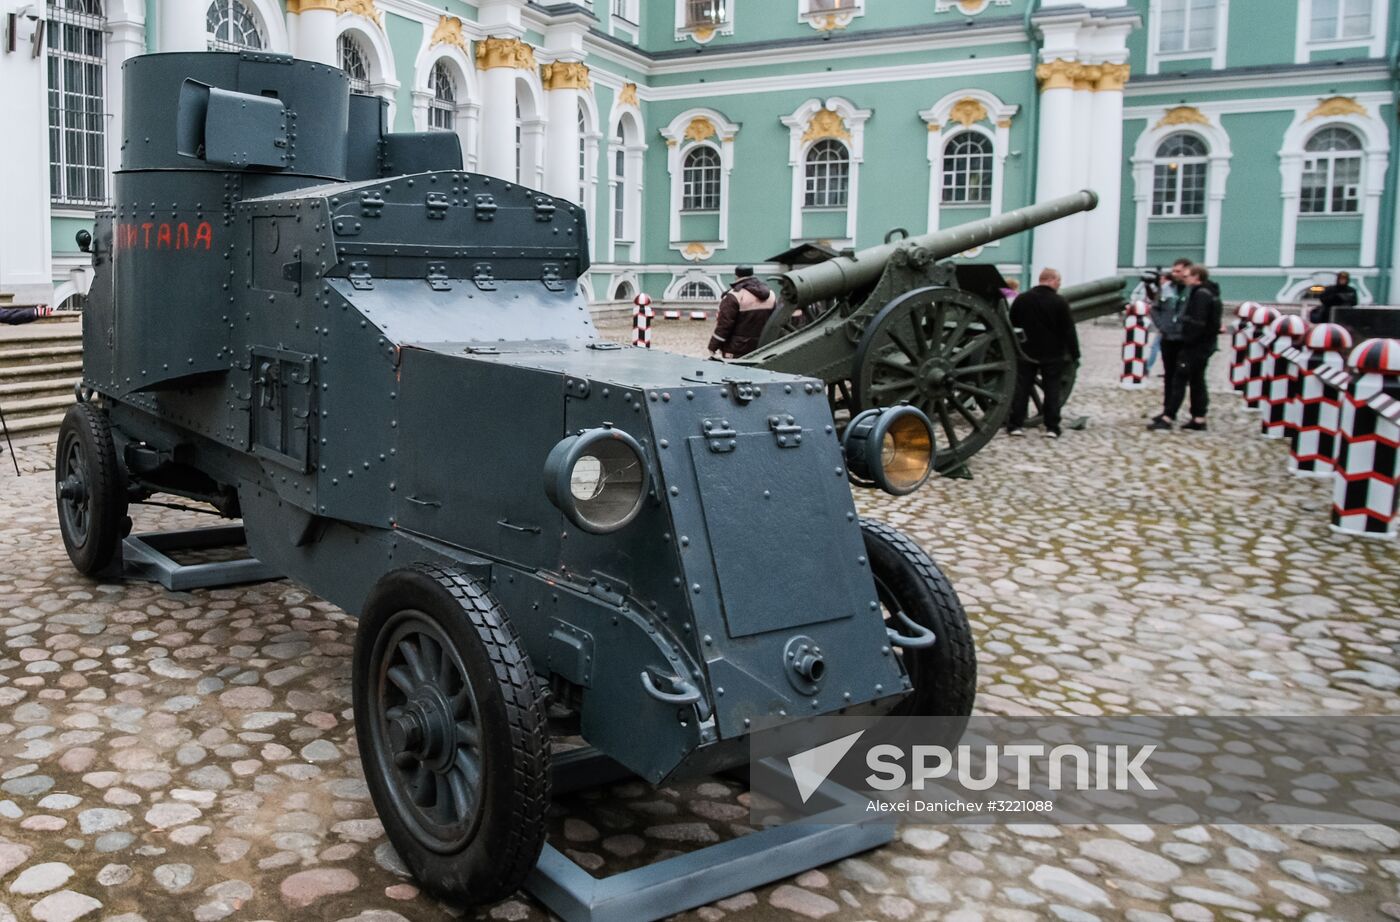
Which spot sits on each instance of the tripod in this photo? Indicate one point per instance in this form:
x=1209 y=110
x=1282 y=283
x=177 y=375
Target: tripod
x=6 y=429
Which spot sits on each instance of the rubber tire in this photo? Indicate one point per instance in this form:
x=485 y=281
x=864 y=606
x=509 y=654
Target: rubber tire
x=929 y=600
x=510 y=834
x=107 y=503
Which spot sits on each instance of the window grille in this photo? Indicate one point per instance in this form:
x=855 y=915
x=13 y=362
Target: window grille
x=828 y=175
x=967 y=169
x=1179 y=177
x=442 y=111
x=355 y=63
x=1332 y=173
x=77 y=103
x=700 y=179
x=233 y=27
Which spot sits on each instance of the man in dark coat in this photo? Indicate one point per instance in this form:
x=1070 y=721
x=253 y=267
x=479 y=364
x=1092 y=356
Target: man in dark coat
x=743 y=312
x=1200 y=336
x=1050 y=343
x=1338 y=295
x=14 y=316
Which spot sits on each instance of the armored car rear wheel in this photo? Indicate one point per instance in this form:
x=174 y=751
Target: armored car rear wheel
x=907 y=581
x=90 y=489
x=452 y=733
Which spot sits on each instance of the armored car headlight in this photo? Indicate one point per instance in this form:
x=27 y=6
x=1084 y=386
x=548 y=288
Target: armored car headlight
x=890 y=448
x=597 y=478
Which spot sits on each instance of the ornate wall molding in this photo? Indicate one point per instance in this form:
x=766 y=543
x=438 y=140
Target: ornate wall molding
x=826 y=124
x=628 y=96
x=1183 y=115
x=565 y=75
x=967 y=111
x=297 y=7
x=449 y=32
x=1337 y=106
x=495 y=52
x=700 y=129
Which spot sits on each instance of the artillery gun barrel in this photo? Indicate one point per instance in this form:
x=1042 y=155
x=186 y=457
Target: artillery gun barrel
x=1094 y=299
x=847 y=273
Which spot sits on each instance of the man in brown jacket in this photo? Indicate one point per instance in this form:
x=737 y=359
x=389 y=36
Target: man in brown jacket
x=743 y=311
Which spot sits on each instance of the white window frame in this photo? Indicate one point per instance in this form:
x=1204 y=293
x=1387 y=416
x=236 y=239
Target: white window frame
x=1330 y=160
x=626 y=137
x=383 y=77
x=1373 y=43
x=807 y=175
x=1375 y=147
x=94 y=140
x=1158 y=161
x=468 y=111
x=705 y=182
x=941 y=125
x=703 y=34
x=589 y=141
x=952 y=135
x=1218 y=153
x=686 y=277
x=797 y=124
x=678 y=145
x=260 y=25
x=1217 y=52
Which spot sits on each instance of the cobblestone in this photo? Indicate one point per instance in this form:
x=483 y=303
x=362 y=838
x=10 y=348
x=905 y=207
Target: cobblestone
x=169 y=756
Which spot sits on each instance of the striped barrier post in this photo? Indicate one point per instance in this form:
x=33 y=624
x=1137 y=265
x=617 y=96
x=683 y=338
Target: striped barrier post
x=1135 y=345
x=1239 y=341
x=1288 y=332
x=699 y=315
x=671 y=315
x=1257 y=354
x=642 y=316
x=1317 y=411
x=1368 y=461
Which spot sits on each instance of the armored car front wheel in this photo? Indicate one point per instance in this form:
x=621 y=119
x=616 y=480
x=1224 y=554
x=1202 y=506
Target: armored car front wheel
x=90 y=489
x=910 y=586
x=452 y=733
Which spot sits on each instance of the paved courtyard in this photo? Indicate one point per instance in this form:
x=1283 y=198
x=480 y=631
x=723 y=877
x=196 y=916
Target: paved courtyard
x=192 y=756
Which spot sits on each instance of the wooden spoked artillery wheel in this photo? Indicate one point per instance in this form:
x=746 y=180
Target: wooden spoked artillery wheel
x=947 y=352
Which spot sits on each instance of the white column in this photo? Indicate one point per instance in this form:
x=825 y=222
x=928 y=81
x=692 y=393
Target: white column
x=1057 y=148
x=499 y=60
x=126 y=40
x=1375 y=167
x=182 y=26
x=1105 y=174
x=315 y=32
x=564 y=82
x=26 y=266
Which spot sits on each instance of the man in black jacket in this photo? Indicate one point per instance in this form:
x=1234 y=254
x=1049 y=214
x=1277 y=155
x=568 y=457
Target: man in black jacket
x=1050 y=343
x=1338 y=295
x=1200 y=335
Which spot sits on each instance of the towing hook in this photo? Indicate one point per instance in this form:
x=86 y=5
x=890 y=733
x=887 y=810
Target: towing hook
x=686 y=692
x=920 y=638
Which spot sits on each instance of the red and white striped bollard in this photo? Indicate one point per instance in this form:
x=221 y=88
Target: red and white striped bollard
x=1368 y=462
x=1135 y=345
x=1318 y=412
x=642 y=316
x=1288 y=332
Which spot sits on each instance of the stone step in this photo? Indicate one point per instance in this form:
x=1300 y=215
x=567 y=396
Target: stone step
x=49 y=370
x=33 y=406
x=12 y=355
x=37 y=387
x=40 y=331
x=34 y=425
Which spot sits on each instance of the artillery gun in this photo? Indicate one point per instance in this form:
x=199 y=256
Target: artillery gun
x=898 y=323
x=386 y=367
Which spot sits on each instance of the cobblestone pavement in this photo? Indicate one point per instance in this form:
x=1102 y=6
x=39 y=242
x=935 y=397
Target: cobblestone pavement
x=167 y=756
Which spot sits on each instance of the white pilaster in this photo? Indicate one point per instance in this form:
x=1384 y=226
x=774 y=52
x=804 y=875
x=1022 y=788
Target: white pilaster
x=182 y=26
x=561 y=158
x=498 y=122
x=1056 y=173
x=126 y=39
x=26 y=269
x=1100 y=258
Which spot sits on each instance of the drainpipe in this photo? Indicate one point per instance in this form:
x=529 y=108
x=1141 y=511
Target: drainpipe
x=1033 y=140
x=1386 y=291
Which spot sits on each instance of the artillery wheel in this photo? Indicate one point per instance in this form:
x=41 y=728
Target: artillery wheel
x=1067 y=378
x=785 y=320
x=907 y=580
x=90 y=489
x=950 y=354
x=452 y=733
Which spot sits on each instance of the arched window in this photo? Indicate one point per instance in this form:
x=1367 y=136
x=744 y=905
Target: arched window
x=77 y=102
x=624 y=292
x=442 y=111
x=233 y=27
x=828 y=175
x=696 y=291
x=967 y=169
x=354 y=62
x=1179 y=177
x=1332 y=173
x=700 y=177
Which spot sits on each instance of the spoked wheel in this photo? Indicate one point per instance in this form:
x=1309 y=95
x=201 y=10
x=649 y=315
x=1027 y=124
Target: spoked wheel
x=452 y=734
x=89 y=488
x=1067 y=379
x=910 y=586
x=950 y=354
x=786 y=319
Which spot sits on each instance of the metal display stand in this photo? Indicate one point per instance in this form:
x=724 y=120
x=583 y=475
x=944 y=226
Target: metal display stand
x=703 y=876
x=147 y=557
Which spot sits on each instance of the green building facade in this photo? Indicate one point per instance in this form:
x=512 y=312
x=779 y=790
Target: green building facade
x=1255 y=136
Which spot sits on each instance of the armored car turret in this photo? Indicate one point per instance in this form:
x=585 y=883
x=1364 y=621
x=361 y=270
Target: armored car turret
x=386 y=367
